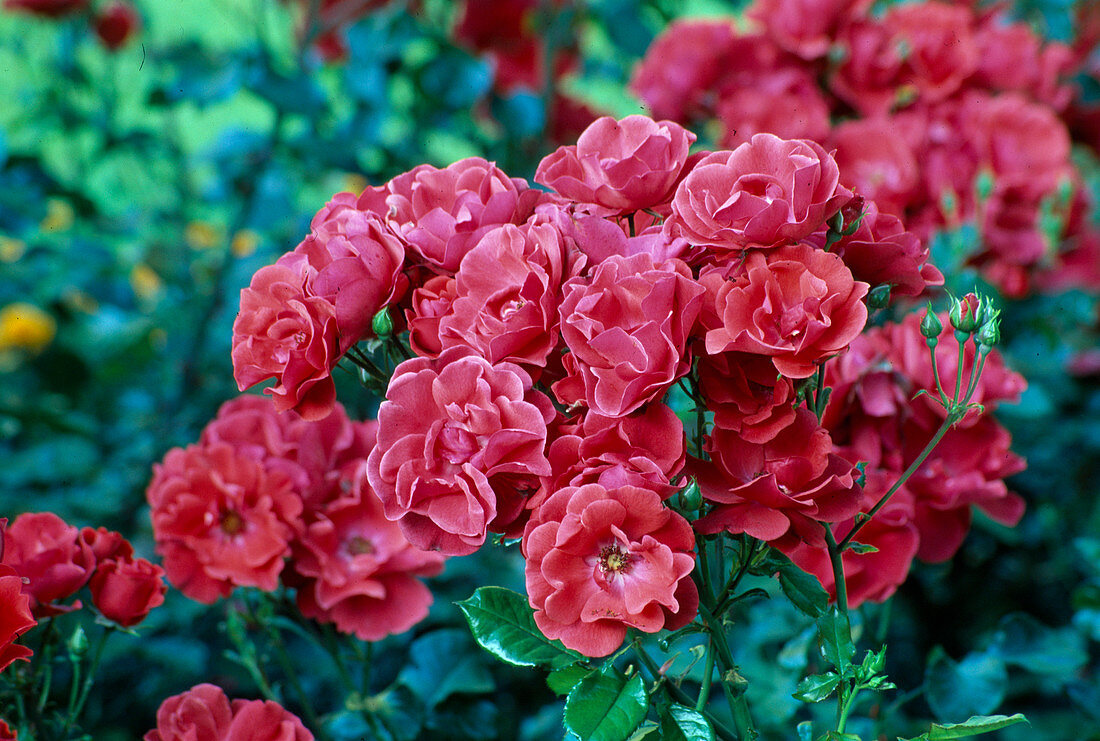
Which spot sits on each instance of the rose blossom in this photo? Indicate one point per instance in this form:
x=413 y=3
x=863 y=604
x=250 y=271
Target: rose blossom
x=507 y=291
x=429 y=304
x=776 y=491
x=126 y=589
x=645 y=448
x=106 y=544
x=204 y=713
x=797 y=305
x=765 y=192
x=878 y=161
x=460 y=442
x=48 y=8
x=50 y=555
x=354 y=568
x=221 y=520
x=283 y=332
x=441 y=214
x=626 y=329
x=746 y=394
x=805 y=27
x=6 y=733
x=352 y=260
x=116 y=24
x=15 y=614
x=602 y=560
x=619 y=166
x=785 y=101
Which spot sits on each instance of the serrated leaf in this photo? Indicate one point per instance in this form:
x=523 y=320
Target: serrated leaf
x=606 y=706
x=681 y=723
x=504 y=625
x=974 y=686
x=803 y=590
x=836 y=640
x=974 y=726
x=817 y=687
x=565 y=679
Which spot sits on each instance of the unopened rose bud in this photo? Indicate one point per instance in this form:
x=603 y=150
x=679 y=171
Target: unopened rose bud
x=988 y=335
x=690 y=497
x=964 y=313
x=78 y=644
x=852 y=215
x=382 y=325
x=931 y=326
x=879 y=297
x=986 y=312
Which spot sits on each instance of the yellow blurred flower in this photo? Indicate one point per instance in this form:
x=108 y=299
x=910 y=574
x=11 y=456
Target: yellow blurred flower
x=354 y=183
x=11 y=249
x=244 y=243
x=145 y=282
x=59 y=216
x=25 y=326
x=202 y=235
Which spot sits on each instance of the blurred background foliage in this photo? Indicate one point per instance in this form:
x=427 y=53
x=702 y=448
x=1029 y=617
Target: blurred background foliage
x=140 y=188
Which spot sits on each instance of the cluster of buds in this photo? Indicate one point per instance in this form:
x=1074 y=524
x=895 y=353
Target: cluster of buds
x=972 y=315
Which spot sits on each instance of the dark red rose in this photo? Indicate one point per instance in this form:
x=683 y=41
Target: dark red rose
x=125 y=590
x=49 y=8
x=116 y=24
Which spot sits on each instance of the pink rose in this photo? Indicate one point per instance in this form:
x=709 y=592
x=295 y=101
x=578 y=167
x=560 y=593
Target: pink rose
x=460 y=445
x=354 y=568
x=282 y=332
x=353 y=261
x=786 y=102
x=221 y=520
x=442 y=213
x=805 y=27
x=627 y=329
x=507 y=291
x=766 y=192
x=797 y=305
x=681 y=66
x=619 y=166
x=430 y=303
x=203 y=712
x=265 y=720
x=878 y=162
x=602 y=560
x=746 y=395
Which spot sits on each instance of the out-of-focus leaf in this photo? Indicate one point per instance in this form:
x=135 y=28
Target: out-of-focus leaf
x=974 y=686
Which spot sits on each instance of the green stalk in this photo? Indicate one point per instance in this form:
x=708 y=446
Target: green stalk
x=708 y=676
x=679 y=695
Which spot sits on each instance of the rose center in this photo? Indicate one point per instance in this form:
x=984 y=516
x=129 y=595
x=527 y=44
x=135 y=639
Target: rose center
x=359 y=546
x=232 y=523
x=457 y=445
x=612 y=560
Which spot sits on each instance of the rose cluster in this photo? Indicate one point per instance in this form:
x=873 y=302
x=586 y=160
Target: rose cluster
x=942 y=113
x=264 y=497
x=204 y=712
x=551 y=328
x=54 y=561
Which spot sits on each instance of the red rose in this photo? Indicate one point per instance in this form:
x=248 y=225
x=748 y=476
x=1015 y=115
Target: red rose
x=354 y=568
x=283 y=332
x=784 y=101
x=1012 y=57
x=681 y=66
x=441 y=214
x=6 y=733
x=766 y=192
x=106 y=544
x=602 y=560
x=778 y=491
x=221 y=520
x=746 y=395
x=125 y=590
x=644 y=449
x=627 y=329
x=116 y=24
x=50 y=555
x=15 y=614
x=619 y=166
x=881 y=252
x=876 y=575
x=507 y=291
x=460 y=444
x=49 y=8
x=877 y=160
x=264 y=720
x=202 y=712
x=797 y=305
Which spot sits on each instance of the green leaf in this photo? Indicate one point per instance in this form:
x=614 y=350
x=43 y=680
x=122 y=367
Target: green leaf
x=681 y=723
x=1025 y=642
x=974 y=726
x=803 y=590
x=816 y=687
x=565 y=679
x=974 y=686
x=504 y=625
x=836 y=640
x=444 y=663
x=606 y=706
x=860 y=548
